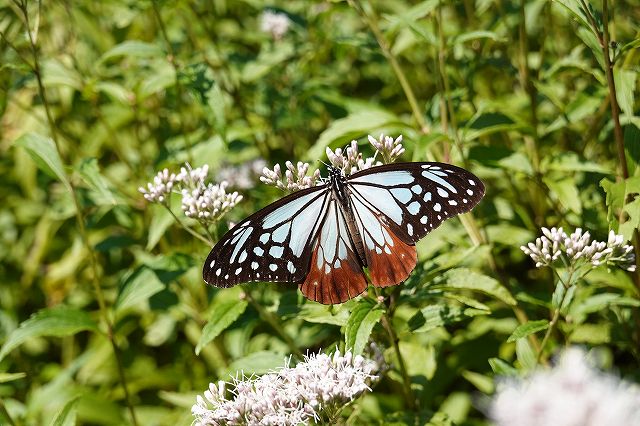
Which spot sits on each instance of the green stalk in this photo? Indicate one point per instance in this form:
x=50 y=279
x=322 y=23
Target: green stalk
x=274 y=322
x=406 y=380
x=78 y=213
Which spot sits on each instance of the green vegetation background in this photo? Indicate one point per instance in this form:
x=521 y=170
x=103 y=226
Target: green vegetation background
x=96 y=97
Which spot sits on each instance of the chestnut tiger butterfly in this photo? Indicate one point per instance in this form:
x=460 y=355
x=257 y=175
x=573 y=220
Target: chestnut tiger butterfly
x=322 y=237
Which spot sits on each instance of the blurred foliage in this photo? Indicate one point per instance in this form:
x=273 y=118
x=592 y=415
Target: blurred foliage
x=103 y=311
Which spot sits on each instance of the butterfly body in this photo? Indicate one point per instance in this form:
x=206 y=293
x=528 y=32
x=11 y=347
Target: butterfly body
x=322 y=237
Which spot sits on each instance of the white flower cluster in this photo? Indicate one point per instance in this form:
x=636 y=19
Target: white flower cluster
x=389 y=148
x=350 y=160
x=319 y=387
x=159 y=190
x=208 y=203
x=202 y=201
x=242 y=176
x=578 y=247
x=295 y=177
x=274 y=23
x=572 y=393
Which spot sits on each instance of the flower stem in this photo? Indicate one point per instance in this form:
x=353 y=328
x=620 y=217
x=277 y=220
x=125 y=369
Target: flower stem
x=274 y=322
x=406 y=380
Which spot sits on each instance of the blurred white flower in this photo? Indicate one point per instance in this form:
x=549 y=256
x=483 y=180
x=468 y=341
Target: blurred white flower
x=242 y=176
x=295 y=178
x=275 y=23
x=573 y=393
x=578 y=249
x=159 y=190
x=317 y=388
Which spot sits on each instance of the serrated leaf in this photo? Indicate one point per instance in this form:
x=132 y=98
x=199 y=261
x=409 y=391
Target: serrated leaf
x=138 y=287
x=67 y=415
x=439 y=315
x=351 y=127
x=567 y=193
x=222 y=316
x=502 y=368
x=43 y=151
x=523 y=330
x=526 y=355
x=90 y=174
x=55 y=322
x=464 y=278
x=134 y=48
x=364 y=317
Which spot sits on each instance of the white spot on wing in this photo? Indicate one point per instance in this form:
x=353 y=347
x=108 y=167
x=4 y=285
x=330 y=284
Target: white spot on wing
x=218 y=272
x=258 y=251
x=437 y=207
x=395 y=177
x=410 y=229
x=439 y=180
x=238 y=271
x=427 y=196
x=264 y=238
x=273 y=267
x=424 y=220
x=453 y=202
x=402 y=194
x=276 y=251
x=471 y=182
x=414 y=207
x=290 y=267
x=254 y=265
x=470 y=192
x=443 y=193
x=243 y=256
x=242 y=238
x=417 y=189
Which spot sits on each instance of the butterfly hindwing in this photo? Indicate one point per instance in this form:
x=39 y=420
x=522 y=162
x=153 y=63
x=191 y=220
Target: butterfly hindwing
x=273 y=244
x=335 y=272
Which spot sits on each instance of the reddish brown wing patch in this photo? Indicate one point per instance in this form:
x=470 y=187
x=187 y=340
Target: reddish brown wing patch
x=392 y=263
x=329 y=284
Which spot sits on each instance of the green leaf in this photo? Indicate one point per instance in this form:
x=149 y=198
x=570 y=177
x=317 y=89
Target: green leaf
x=474 y=35
x=90 y=174
x=482 y=382
x=625 y=88
x=43 y=151
x=439 y=315
x=364 y=317
x=464 y=278
x=256 y=363
x=566 y=192
x=56 y=322
x=222 y=316
x=133 y=48
x=353 y=126
x=161 y=220
x=66 y=416
x=420 y=359
x=602 y=301
x=486 y=123
x=632 y=148
x=523 y=330
x=526 y=355
x=10 y=377
x=163 y=78
x=502 y=368
x=324 y=314
x=576 y=9
x=138 y=287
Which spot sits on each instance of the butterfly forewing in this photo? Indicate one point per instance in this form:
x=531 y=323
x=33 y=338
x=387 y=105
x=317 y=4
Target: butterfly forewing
x=271 y=245
x=413 y=198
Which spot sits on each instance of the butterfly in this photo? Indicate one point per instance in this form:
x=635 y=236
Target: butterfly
x=323 y=237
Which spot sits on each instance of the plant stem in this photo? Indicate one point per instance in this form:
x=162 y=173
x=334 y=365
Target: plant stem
x=274 y=322
x=79 y=217
x=552 y=326
x=395 y=65
x=406 y=380
x=188 y=229
x=179 y=88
